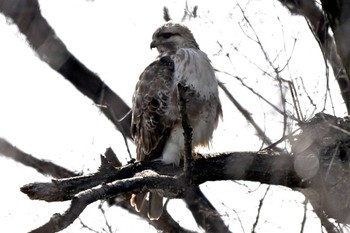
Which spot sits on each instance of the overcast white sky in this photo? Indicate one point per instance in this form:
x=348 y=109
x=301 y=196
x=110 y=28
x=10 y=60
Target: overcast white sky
x=46 y=116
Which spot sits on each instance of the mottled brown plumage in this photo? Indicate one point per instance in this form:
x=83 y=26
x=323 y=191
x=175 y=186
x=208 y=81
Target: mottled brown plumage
x=150 y=123
x=156 y=121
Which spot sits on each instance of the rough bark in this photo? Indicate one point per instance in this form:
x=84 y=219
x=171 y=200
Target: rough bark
x=267 y=168
x=110 y=182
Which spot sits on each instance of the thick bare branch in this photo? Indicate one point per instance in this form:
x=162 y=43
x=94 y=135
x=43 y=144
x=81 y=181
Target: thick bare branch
x=204 y=212
x=261 y=167
x=319 y=163
x=61 y=221
x=42 y=38
x=338 y=15
x=42 y=166
x=66 y=189
x=266 y=168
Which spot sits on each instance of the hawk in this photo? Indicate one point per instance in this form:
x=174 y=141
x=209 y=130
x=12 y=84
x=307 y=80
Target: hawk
x=156 y=120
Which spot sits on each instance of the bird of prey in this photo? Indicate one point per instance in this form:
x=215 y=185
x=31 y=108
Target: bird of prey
x=156 y=120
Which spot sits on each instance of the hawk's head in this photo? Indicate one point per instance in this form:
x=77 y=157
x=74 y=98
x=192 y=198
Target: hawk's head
x=172 y=36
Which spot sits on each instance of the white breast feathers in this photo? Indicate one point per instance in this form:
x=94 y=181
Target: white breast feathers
x=193 y=69
x=192 y=66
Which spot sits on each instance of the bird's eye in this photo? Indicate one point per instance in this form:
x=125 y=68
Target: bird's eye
x=166 y=35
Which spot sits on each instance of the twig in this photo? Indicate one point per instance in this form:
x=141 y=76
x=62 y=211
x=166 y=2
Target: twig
x=304 y=216
x=256 y=93
x=109 y=227
x=188 y=14
x=319 y=26
x=284 y=137
x=87 y=227
x=257 y=39
x=276 y=69
x=119 y=125
x=296 y=102
x=308 y=97
x=259 y=209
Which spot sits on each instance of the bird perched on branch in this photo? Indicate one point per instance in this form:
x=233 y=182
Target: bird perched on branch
x=156 y=120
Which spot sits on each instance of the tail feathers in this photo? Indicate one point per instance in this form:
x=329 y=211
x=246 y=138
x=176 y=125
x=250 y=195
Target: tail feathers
x=155 y=206
x=137 y=200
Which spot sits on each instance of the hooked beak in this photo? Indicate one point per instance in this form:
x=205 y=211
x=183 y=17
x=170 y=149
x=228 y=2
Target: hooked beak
x=153 y=44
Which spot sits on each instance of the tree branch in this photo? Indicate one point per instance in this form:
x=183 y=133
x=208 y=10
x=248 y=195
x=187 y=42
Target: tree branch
x=338 y=15
x=251 y=166
x=319 y=163
x=145 y=176
x=79 y=202
x=204 y=212
x=42 y=166
x=260 y=133
x=44 y=41
x=319 y=26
